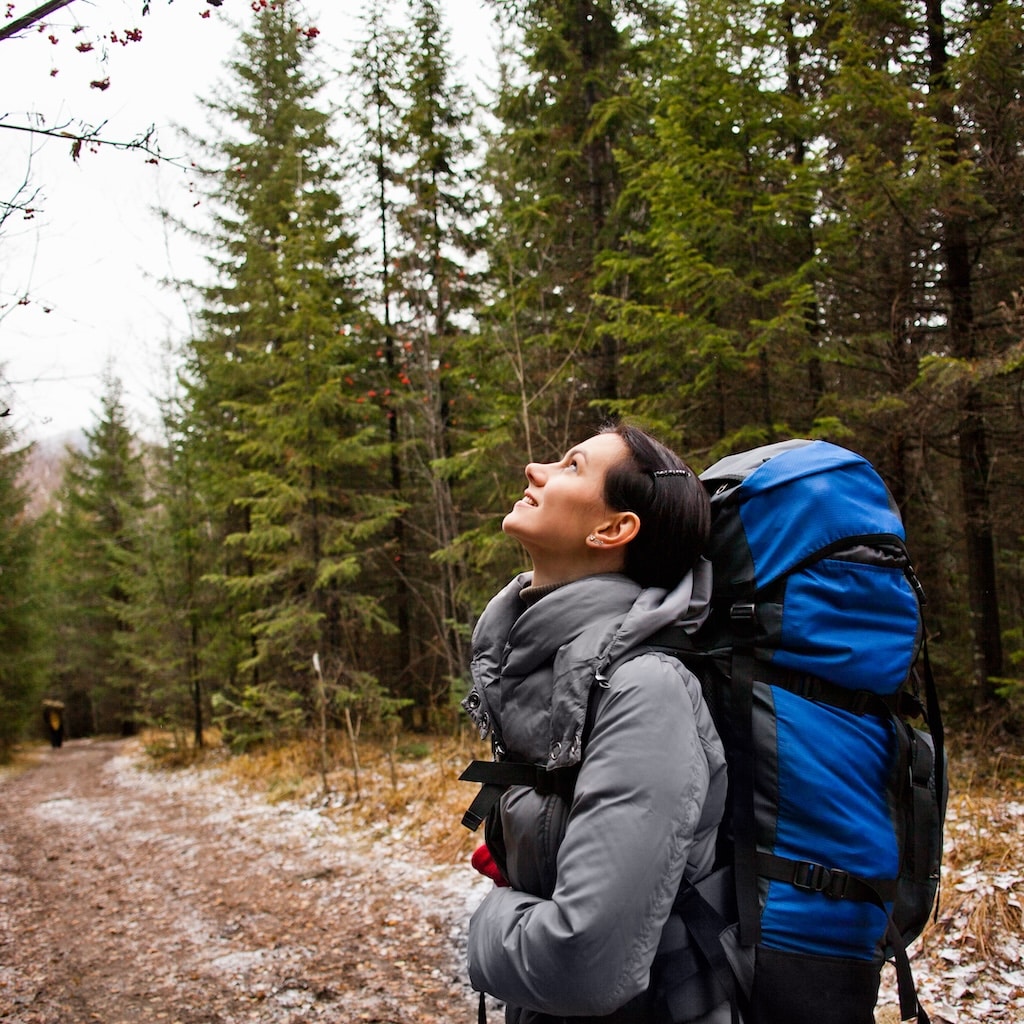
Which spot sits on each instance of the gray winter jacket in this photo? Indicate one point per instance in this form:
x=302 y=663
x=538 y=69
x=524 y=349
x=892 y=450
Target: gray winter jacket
x=592 y=884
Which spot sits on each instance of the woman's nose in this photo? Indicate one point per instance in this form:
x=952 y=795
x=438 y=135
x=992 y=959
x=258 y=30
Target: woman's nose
x=535 y=472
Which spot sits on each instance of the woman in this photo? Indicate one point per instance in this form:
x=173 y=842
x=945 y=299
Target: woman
x=615 y=532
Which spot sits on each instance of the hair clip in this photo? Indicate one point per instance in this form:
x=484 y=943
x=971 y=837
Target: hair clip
x=670 y=472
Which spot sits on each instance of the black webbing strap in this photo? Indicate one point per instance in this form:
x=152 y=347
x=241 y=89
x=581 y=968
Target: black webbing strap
x=917 y=765
x=740 y=753
x=934 y=719
x=858 y=702
x=476 y=813
x=496 y=776
x=832 y=882
x=910 y=1005
x=706 y=926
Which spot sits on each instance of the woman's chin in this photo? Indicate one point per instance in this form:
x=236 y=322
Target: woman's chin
x=509 y=523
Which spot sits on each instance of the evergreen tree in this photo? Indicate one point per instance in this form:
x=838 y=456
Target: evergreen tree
x=377 y=74
x=102 y=501
x=555 y=173
x=24 y=613
x=171 y=607
x=420 y=136
x=912 y=233
x=279 y=390
x=721 y=316
x=439 y=239
x=975 y=69
x=824 y=216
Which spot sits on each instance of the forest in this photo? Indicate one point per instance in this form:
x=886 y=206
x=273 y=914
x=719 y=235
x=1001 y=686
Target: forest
x=731 y=223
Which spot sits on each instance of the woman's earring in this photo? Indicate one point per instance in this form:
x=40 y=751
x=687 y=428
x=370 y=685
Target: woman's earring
x=594 y=539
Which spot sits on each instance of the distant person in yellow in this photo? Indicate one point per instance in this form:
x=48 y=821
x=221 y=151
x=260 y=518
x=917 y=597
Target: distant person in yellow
x=53 y=719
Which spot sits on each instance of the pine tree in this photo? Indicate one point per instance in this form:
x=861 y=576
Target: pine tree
x=825 y=215
x=912 y=235
x=418 y=129
x=378 y=75
x=102 y=502
x=172 y=610
x=24 y=611
x=280 y=391
x=440 y=237
x=720 y=319
x=555 y=171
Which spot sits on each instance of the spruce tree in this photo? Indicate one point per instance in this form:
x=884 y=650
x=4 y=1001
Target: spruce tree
x=439 y=225
x=24 y=612
x=720 y=319
x=280 y=391
x=824 y=248
x=419 y=133
x=102 y=504
x=554 y=162
x=172 y=610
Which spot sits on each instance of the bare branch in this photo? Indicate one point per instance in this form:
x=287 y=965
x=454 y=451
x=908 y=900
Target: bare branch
x=145 y=143
x=22 y=201
x=51 y=7
x=28 y=20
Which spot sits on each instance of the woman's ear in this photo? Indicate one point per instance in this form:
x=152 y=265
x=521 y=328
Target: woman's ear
x=616 y=531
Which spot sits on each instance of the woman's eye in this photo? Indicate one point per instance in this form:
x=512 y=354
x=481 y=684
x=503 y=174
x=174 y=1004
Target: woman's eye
x=572 y=464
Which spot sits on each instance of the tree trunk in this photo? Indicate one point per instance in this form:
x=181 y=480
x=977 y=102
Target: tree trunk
x=973 y=457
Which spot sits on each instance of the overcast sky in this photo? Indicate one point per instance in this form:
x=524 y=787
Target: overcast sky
x=80 y=280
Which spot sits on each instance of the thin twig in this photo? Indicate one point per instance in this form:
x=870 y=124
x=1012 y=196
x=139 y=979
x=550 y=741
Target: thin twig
x=28 y=20
x=142 y=144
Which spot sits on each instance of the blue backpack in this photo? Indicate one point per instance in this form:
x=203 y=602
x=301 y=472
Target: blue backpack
x=813 y=663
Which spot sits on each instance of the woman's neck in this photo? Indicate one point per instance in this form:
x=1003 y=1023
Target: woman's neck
x=532 y=594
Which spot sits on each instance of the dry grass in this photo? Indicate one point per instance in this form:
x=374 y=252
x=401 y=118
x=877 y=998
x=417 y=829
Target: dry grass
x=23 y=757
x=982 y=899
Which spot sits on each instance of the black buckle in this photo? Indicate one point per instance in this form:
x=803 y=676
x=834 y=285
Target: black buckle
x=831 y=882
x=744 y=612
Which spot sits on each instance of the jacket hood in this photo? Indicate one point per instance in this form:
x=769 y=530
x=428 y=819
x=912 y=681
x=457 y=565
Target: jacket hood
x=534 y=665
x=686 y=606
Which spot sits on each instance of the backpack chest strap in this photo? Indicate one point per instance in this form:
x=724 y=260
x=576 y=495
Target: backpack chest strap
x=497 y=776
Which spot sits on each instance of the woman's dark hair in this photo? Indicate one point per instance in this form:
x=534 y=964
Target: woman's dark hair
x=673 y=507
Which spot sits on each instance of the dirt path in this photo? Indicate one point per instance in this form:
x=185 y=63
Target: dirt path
x=129 y=896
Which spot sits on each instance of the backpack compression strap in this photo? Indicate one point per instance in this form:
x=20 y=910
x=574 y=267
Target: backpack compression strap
x=837 y=884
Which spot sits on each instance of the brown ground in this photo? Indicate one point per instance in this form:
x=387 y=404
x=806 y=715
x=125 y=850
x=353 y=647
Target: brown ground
x=131 y=896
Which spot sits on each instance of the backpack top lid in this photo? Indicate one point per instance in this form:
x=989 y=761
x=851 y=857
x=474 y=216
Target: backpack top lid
x=789 y=501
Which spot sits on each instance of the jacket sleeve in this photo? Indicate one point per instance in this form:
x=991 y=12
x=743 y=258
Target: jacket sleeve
x=638 y=803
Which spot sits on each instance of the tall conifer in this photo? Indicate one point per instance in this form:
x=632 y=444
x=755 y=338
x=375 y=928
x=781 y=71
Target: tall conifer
x=555 y=173
x=102 y=502
x=25 y=615
x=280 y=389
x=417 y=129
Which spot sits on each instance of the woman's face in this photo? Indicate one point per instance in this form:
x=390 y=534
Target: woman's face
x=562 y=507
